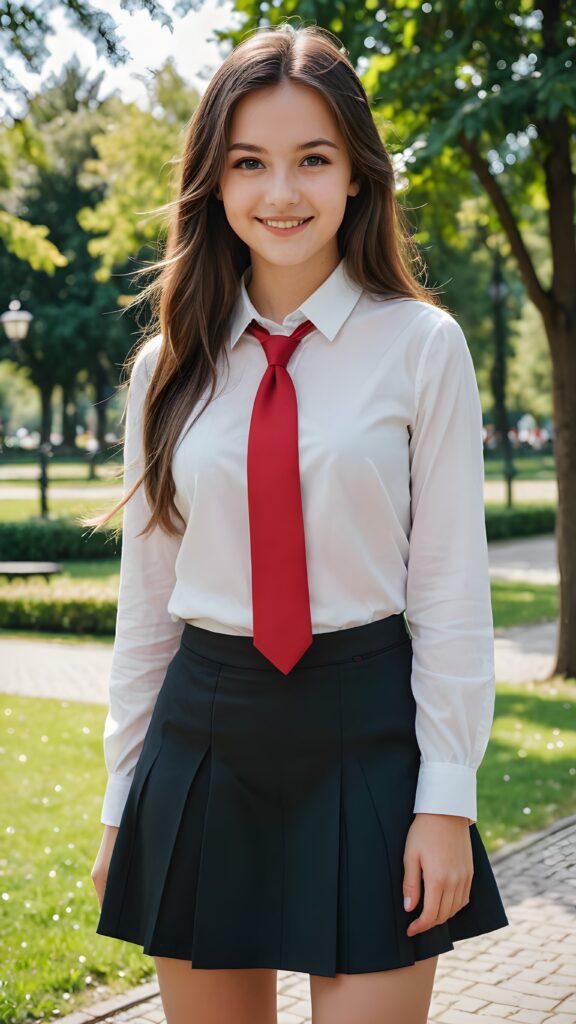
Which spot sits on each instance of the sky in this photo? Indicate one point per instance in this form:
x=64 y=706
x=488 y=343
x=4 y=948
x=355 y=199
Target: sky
x=190 y=45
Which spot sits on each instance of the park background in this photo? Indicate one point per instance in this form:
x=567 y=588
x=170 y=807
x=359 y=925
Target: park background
x=476 y=104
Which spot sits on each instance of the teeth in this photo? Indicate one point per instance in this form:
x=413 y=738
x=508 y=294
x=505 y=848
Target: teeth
x=284 y=223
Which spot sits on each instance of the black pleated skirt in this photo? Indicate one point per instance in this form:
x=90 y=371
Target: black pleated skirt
x=267 y=816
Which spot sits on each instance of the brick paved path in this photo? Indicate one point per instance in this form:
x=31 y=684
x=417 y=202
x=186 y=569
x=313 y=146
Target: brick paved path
x=55 y=668
x=533 y=559
x=525 y=973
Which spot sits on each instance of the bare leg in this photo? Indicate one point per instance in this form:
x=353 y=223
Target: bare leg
x=216 y=996
x=400 y=996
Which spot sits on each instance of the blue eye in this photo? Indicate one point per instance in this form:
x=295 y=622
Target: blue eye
x=247 y=160
x=316 y=157
x=253 y=160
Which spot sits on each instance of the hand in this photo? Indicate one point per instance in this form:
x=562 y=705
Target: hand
x=99 y=872
x=439 y=846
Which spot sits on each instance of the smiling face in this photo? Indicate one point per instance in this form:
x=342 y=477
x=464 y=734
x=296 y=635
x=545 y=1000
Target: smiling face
x=286 y=161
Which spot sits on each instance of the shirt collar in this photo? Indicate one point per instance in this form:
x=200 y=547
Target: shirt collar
x=328 y=307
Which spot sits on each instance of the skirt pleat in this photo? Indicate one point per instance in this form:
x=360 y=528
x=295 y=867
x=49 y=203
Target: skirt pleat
x=267 y=817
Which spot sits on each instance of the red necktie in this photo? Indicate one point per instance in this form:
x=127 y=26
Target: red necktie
x=280 y=599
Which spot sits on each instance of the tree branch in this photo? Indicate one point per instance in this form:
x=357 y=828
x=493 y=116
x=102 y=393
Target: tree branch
x=539 y=296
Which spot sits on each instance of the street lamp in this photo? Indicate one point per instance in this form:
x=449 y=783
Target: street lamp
x=16 y=322
x=498 y=290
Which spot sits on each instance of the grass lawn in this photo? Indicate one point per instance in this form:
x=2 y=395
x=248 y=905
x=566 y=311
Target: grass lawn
x=17 y=510
x=106 y=478
x=76 y=470
x=522 y=604
x=53 y=770
x=528 y=467
x=76 y=476
x=57 y=638
x=52 y=766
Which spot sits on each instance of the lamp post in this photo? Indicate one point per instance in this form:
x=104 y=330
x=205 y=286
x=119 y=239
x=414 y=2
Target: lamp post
x=16 y=322
x=498 y=291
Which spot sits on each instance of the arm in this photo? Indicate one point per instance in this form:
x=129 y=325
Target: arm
x=146 y=636
x=448 y=602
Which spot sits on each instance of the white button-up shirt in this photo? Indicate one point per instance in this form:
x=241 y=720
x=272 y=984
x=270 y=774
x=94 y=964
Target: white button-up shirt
x=391 y=464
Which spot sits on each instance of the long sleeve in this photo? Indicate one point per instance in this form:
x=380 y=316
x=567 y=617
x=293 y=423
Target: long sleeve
x=146 y=636
x=448 y=602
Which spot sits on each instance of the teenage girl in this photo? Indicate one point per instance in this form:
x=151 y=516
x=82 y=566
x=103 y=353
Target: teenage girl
x=302 y=684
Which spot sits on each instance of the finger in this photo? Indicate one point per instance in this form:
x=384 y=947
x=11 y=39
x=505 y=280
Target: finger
x=447 y=902
x=412 y=881
x=432 y=897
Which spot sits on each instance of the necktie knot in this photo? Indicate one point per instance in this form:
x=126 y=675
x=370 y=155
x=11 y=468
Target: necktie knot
x=279 y=347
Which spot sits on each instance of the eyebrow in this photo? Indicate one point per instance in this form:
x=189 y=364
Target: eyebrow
x=304 y=145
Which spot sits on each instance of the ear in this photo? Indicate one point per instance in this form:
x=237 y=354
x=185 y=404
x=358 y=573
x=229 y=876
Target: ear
x=353 y=188
x=217 y=193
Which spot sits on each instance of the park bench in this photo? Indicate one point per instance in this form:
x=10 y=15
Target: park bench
x=26 y=569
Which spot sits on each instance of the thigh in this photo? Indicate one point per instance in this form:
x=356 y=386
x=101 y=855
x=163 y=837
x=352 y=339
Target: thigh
x=383 y=997
x=213 y=996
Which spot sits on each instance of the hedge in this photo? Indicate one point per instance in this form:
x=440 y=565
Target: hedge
x=520 y=521
x=38 y=540
x=53 y=615
x=53 y=540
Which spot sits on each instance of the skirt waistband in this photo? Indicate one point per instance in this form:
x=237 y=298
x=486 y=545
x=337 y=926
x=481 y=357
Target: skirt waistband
x=351 y=644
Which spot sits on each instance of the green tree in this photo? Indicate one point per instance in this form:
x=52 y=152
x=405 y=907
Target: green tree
x=137 y=154
x=28 y=242
x=77 y=327
x=25 y=30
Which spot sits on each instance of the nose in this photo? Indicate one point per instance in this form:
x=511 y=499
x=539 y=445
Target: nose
x=282 y=189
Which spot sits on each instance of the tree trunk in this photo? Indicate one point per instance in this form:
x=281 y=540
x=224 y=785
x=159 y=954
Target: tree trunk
x=561 y=330
x=69 y=416
x=101 y=414
x=563 y=347
x=46 y=413
x=104 y=393
x=499 y=372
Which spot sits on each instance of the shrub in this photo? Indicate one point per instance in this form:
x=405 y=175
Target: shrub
x=40 y=540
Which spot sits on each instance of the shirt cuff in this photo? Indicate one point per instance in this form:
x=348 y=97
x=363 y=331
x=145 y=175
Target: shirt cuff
x=115 y=798
x=446 y=788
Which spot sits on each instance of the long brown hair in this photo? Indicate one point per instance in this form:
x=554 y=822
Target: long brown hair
x=193 y=294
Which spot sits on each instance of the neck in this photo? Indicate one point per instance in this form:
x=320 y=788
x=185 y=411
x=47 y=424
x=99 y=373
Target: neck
x=276 y=291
